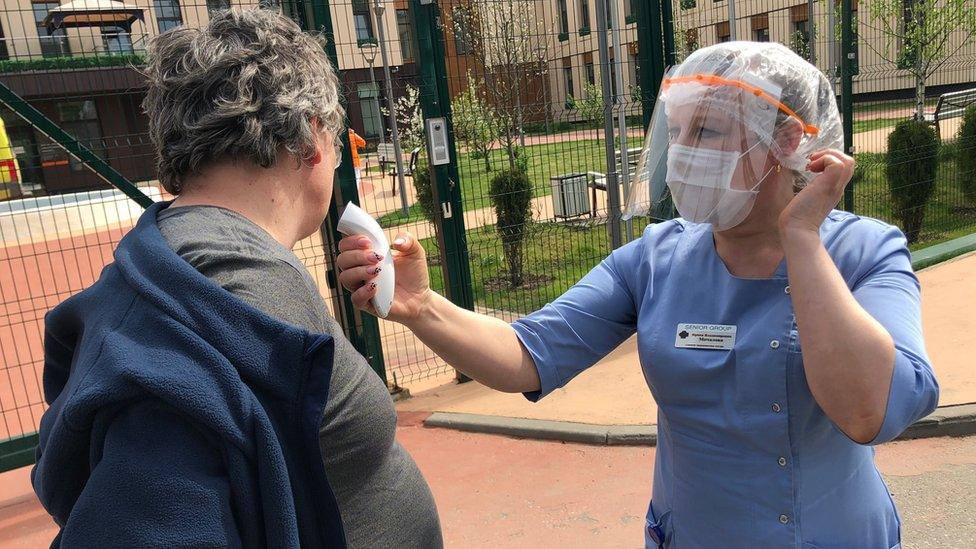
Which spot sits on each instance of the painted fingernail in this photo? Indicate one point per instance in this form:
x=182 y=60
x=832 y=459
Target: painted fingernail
x=373 y=270
x=372 y=286
x=377 y=257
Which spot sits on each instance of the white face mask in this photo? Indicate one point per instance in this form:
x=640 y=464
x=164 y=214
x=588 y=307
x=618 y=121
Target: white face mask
x=701 y=185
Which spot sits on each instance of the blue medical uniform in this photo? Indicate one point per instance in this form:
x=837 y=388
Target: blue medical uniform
x=745 y=456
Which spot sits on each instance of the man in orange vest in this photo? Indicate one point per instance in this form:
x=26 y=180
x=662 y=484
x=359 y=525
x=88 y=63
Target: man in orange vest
x=355 y=143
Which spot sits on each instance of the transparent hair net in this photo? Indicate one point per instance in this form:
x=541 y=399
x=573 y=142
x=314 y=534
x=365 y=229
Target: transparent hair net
x=754 y=94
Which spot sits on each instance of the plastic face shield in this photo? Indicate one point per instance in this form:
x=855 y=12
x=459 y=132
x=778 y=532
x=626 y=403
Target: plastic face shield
x=707 y=147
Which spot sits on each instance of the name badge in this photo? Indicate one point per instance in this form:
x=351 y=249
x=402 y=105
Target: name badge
x=719 y=337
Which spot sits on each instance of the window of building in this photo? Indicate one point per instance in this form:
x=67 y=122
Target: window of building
x=369 y=93
x=722 y=32
x=590 y=71
x=53 y=44
x=362 y=20
x=760 y=27
x=4 y=54
x=80 y=120
x=168 y=14
x=584 y=14
x=800 y=33
x=217 y=5
x=117 y=40
x=563 y=17
x=568 y=81
x=405 y=30
x=463 y=40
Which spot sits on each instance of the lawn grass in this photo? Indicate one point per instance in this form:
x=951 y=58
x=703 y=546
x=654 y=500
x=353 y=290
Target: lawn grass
x=556 y=257
x=875 y=124
x=877 y=106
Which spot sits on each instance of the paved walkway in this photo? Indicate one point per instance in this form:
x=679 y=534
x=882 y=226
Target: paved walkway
x=614 y=391
x=500 y=493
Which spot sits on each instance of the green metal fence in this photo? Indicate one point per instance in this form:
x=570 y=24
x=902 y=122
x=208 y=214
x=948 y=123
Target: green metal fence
x=531 y=84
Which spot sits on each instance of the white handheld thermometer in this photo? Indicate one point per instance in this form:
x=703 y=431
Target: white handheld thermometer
x=355 y=221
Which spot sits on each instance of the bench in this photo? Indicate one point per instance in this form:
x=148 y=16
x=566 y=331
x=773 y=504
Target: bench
x=598 y=181
x=950 y=105
x=387 y=155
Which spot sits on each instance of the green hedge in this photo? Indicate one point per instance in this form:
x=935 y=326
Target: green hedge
x=966 y=154
x=65 y=63
x=911 y=166
x=511 y=194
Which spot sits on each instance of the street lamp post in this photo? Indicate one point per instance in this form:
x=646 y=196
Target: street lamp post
x=379 y=8
x=369 y=55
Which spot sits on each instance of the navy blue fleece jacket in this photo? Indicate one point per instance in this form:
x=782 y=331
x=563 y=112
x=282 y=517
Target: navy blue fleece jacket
x=179 y=415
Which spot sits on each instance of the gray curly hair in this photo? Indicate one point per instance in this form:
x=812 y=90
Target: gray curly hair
x=247 y=85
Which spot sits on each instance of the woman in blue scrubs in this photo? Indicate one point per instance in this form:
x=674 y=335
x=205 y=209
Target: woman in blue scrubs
x=780 y=338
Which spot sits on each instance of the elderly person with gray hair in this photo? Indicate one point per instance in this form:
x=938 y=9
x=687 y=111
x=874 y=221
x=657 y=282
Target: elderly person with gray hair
x=200 y=394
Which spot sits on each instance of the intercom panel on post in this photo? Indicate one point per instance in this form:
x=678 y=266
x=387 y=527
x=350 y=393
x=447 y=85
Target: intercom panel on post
x=437 y=138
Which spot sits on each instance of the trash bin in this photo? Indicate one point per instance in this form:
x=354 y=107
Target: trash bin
x=569 y=195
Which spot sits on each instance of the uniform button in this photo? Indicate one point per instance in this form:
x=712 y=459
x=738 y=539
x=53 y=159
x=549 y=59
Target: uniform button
x=776 y=407
x=782 y=462
x=783 y=519
x=787 y=290
x=774 y=344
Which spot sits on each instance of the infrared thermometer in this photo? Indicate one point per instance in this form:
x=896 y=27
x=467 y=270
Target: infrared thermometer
x=354 y=221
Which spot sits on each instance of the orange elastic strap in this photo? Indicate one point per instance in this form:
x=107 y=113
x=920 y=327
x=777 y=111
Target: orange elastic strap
x=713 y=80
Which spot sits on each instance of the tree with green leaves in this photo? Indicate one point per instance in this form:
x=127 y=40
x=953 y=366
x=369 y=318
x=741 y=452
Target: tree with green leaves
x=590 y=106
x=800 y=43
x=410 y=120
x=475 y=122
x=921 y=35
x=508 y=39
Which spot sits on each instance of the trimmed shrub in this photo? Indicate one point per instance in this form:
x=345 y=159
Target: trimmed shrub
x=425 y=193
x=511 y=194
x=966 y=154
x=911 y=165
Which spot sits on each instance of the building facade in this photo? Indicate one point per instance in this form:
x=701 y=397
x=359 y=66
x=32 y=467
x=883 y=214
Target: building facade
x=87 y=80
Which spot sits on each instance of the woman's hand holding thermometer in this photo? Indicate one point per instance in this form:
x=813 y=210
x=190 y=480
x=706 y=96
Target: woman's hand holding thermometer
x=367 y=262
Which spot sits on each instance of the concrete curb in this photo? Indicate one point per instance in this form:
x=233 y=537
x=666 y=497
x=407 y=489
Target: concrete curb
x=959 y=420
x=927 y=257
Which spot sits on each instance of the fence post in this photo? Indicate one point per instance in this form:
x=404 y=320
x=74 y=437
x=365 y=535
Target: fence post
x=435 y=102
x=613 y=189
x=650 y=54
x=361 y=329
x=670 y=49
x=848 y=55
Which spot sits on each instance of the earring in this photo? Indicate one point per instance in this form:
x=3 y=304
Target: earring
x=779 y=168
